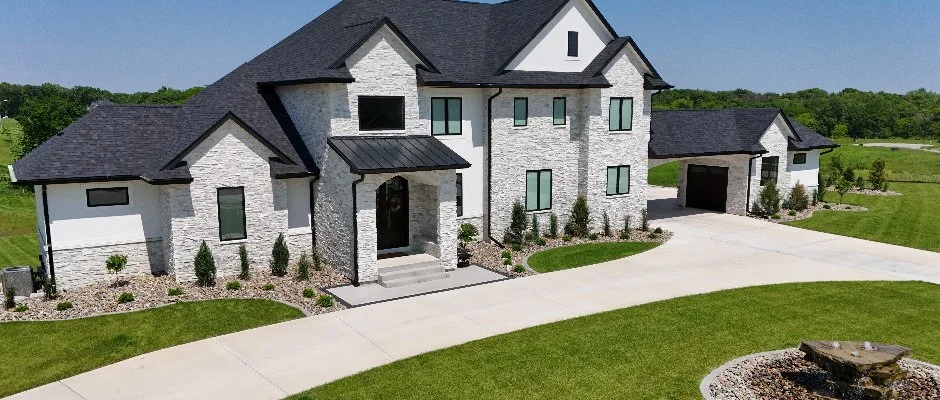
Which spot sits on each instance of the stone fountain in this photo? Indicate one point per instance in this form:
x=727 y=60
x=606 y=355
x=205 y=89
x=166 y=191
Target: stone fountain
x=859 y=370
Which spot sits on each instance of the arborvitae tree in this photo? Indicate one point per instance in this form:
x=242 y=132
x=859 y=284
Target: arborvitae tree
x=303 y=268
x=876 y=176
x=580 y=221
x=280 y=257
x=606 y=224
x=204 y=266
x=515 y=232
x=553 y=226
x=768 y=202
x=798 y=200
x=245 y=272
x=534 y=232
x=645 y=220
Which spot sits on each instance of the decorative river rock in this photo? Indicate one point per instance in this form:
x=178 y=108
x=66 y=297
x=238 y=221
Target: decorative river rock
x=859 y=370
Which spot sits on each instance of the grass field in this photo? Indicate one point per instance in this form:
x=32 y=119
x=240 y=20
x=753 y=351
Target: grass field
x=585 y=254
x=665 y=175
x=903 y=165
x=18 y=242
x=656 y=351
x=48 y=351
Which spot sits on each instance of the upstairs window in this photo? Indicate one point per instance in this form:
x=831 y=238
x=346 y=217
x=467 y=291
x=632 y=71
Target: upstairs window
x=538 y=190
x=459 y=195
x=768 y=170
x=618 y=180
x=560 y=111
x=116 y=196
x=799 y=158
x=381 y=113
x=446 y=115
x=572 y=44
x=520 y=111
x=231 y=203
x=621 y=113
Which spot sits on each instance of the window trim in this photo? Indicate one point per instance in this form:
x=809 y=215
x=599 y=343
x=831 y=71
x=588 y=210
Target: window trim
x=799 y=154
x=218 y=208
x=403 y=117
x=446 y=120
x=564 y=115
x=620 y=112
x=629 y=177
x=573 y=44
x=776 y=171
x=526 y=119
x=127 y=197
x=459 y=198
x=538 y=190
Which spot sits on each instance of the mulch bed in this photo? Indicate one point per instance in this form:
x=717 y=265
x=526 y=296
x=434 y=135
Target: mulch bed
x=808 y=213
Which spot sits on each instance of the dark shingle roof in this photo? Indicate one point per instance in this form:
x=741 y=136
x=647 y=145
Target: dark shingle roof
x=389 y=154
x=689 y=133
x=808 y=138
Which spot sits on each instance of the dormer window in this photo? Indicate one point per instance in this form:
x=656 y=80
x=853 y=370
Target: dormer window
x=572 y=44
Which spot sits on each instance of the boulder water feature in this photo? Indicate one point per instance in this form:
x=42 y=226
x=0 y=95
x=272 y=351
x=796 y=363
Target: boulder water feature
x=858 y=370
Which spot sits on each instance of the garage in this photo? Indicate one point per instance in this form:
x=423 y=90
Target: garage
x=707 y=187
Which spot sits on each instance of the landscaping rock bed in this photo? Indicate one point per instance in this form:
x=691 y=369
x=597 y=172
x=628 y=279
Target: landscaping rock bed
x=151 y=292
x=872 y=192
x=786 y=375
x=808 y=213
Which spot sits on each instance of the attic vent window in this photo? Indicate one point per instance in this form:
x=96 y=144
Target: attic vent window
x=572 y=44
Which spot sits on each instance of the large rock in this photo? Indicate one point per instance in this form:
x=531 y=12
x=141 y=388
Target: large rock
x=860 y=369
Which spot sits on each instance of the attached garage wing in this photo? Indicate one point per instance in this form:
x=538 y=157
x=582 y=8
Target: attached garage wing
x=707 y=187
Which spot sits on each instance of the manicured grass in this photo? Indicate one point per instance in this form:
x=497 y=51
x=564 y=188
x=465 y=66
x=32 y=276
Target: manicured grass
x=665 y=175
x=18 y=242
x=37 y=353
x=585 y=254
x=847 y=141
x=656 y=351
x=19 y=250
x=910 y=220
x=903 y=165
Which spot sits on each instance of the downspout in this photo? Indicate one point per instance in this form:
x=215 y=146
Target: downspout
x=313 y=224
x=489 y=167
x=356 y=230
x=45 y=215
x=750 y=173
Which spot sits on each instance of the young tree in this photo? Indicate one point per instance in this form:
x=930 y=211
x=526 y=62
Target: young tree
x=515 y=232
x=580 y=222
x=534 y=232
x=467 y=234
x=43 y=118
x=876 y=176
x=798 y=200
x=204 y=265
x=115 y=264
x=606 y=224
x=303 y=268
x=245 y=270
x=645 y=220
x=280 y=257
x=553 y=226
x=768 y=202
x=842 y=187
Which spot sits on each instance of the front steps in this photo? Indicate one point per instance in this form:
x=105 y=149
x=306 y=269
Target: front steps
x=409 y=270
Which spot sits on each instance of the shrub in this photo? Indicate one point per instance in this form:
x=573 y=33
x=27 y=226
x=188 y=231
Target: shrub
x=843 y=187
x=876 y=175
x=580 y=221
x=606 y=224
x=658 y=231
x=884 y=186
x=798 y=200
x=245 y=272
x=534 y=231
x=775 y=216
x=792 y=213
x=553 y=226
x=204 y=266
x=540 y=241
x=768 y=202
x=9 y=301
x=566 y=238
x=317 y=260
x=506 y=254
x=174 y=292
x=849 y=174
x=65 y=305
x=125 y=297
x=645 y=220
x=626 y=223
x=309 y=293
x=625 y=235
x=268 y=287
x=516 y=247
x=325 y=301
x=303 y=268
x=822 y=188
x=815 y=197
x=518 y=269
x=827 y=207
x=515 y=232
x=49 y=289
x=860 y=183
x=233 y=285
x=593 y=236
x=116 y=263
x=652 y=235
x=467 y=233
x=21 y=308
x=507 y=261
x=280 y=257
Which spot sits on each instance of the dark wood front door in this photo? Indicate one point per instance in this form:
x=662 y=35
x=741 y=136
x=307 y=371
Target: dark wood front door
x=391 y=209
x=707 y=188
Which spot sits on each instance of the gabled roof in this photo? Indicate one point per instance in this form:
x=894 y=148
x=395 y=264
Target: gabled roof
x=691 y=133
x=390 y=154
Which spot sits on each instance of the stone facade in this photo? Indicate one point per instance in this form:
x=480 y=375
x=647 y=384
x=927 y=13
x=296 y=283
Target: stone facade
x=82 y=266
x=737 y=179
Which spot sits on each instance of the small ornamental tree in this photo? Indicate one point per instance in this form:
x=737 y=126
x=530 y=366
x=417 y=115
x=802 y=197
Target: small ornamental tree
x=580 y=221
x=836 y=168
x=204 y=265
x=280 y=257
x=768 y=202
x=534 y=231
x=467 y=234
x=645 y=220
x=606 y=224
x=876 y=176
x=303 y=267
x=515 y=232
x=553 y=226
x=245 y=271
x=842 y=187
x=798 y=200
x=860 y=183
x=115 y=264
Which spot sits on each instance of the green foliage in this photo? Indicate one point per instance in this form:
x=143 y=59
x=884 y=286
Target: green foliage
x=268 y=287
x=515 y=232
x=566 y=238
x=534 y=230
x=540 y=241
x=768 y=202
x=518 y=269
x=50 y=290
x=309 y=293
x=317 y=259
x=626 y=223
x=325 y=301
x=233 y=285
x=798 y=199
x=43 y=118
x=860 y=183
x=21 y=308
x=506 y=254
x=822 y=189
x=827 y=207
x=658 y=231
x=303 y=268
x=280 y=257
x=553 y=226
x=244 y=263
x=116 y=263
x=507 y=261
x=791 y=213
x=585 y=254
x=125 y=297
x=843 y=186
x=644 y=220
x=593 y=236
x=467 y=233
x=624 y=235
x=775 y=216
x=204 y=266
x=174 y=292
x=65 y=305
x=580 y=221
x=876 y=175
x=606 y=224
x=516 y=247
x=8 y=297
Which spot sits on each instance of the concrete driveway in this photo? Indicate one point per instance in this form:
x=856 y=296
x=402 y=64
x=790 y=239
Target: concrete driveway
x=709 y=252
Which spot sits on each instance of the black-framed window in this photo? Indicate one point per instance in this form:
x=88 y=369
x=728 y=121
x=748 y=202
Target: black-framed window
x=572 y=44
x=231 y=201
x=446 y=115
x=768 y=169
x=459 y=195
x=621 y=113
x=103 y=197
x=618 y=180
x=799 y=158
x=520 y=111
x=560 y=111
x=538 y=190
x=381 y=113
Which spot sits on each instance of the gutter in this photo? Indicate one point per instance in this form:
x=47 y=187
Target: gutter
x=45 y=214
x=750 y=173
x=489 y=167
x=356 y=230
x=313 y=224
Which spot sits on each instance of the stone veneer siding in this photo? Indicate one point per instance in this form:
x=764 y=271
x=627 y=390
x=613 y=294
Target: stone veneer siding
x=737 y=179
x=82 y=266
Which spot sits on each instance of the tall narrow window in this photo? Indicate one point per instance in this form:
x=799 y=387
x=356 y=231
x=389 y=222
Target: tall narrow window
x=768 y=169
x=618 y=180
x=572 y=44
x=459 y=195
x=521 y=111
x=381 y=113
x=116 y=196
x=538 y=190
x=621 y=113
x=560 y=111
x=446 y=115
x=232 y=214
x=799 y=158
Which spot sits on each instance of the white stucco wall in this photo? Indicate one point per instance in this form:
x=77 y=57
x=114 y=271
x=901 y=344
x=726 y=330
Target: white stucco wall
x=548 y=51
x=807 y=174
x=74 y=224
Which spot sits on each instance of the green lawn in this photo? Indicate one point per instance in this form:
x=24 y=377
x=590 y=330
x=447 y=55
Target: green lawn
x=911 y=220
x=656 y=351
x=665 y=175
x=18 y=242
x=37 y=353
x=585 y=254
x=847 y=141
x=903 y=165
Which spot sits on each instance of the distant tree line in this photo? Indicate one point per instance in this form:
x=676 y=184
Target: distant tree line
x=849 y=113
x=46 y=109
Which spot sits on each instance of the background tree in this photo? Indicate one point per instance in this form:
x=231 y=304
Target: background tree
x=43 y=118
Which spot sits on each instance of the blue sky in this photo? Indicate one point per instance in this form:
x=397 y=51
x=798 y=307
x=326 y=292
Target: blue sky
x=778 y=46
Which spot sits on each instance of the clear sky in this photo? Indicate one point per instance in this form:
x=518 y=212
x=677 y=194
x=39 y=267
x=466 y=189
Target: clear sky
x=889 y=45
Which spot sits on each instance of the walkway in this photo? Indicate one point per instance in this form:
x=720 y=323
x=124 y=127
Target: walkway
x=709 y=252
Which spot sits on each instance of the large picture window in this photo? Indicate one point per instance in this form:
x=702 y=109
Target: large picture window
x=538 y=190
x=618 y=180
x=768 y=169
x=116 y=196
x=380 y=113
x=520 y=111
x=446 y=115
x=232 y=214
x=560 y=111
x=621 y=113
x=459 y=195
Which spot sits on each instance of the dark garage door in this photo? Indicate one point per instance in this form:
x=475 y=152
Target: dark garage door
x=707 y=187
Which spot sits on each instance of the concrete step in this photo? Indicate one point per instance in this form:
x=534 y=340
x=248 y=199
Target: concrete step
x=411 y=280
x=404 y=271
x=404 y=263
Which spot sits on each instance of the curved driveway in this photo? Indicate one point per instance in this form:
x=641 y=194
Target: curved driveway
x=708 y=252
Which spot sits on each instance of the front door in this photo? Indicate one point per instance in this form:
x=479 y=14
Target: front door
x=391 y=209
